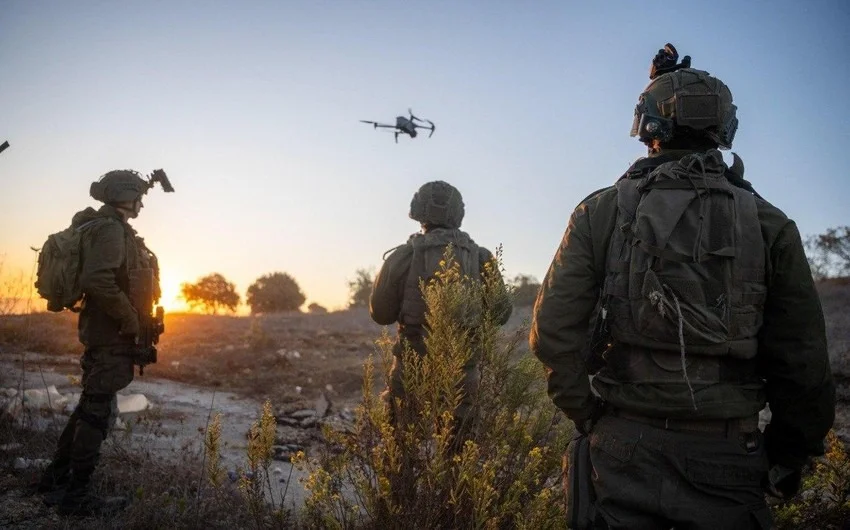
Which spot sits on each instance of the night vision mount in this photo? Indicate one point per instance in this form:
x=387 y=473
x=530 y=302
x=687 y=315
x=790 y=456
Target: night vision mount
x=159 y=175
x=664 y=61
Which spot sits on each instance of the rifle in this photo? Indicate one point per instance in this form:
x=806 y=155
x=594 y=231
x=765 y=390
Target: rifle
x=151 y=320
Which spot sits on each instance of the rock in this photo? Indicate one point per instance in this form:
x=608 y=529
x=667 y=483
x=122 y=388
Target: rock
x=287 y=421
x=71 y=404
x=10 y=447
x=132 y=403
x=329 y=387
x=26 y=463
x=347 y=415
x=306 y=423
x=10 y=392
x=38 y=399
x=322 y=405
x=294 y=448
x=277 y=470
x=298 y=389
x=287 y=354
x=301 y=414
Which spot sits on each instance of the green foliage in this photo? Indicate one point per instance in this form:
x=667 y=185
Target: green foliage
x=211 y=293
x=408 y=469
x=829 y=253
x=824 y=501
x=524 y=289
x=275 y=292
x=360 y=288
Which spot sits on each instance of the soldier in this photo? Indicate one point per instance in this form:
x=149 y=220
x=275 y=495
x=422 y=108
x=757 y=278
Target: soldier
x=703 y=310
x=396 y=294
x=108 y=325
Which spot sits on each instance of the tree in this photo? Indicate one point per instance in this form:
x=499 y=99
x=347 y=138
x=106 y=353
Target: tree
x=275 y=292
x=829 y=253
x=360 y=288
x=316 y=309
x=211 y=293
x=525 y=289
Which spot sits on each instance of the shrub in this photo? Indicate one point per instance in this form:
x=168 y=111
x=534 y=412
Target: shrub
x=316 y=309
x=408 y=471
x=275 y=292
x=360 y=288
x=824 y=501
x=211 y=293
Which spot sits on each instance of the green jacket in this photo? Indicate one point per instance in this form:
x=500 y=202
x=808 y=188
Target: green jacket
x=388 y=289
x=109 y=250
x=792 y=359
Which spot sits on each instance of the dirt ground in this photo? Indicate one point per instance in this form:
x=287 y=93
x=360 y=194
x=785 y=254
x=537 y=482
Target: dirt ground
x=293 y=360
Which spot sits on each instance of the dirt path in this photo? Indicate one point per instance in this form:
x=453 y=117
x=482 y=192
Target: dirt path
x=177 y=418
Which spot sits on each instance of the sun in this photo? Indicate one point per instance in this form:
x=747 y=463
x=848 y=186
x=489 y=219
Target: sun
x=170 y=300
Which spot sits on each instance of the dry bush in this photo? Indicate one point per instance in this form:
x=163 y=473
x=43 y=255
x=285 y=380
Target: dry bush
x=824 y=501
x=409 y=471
x=183 y=489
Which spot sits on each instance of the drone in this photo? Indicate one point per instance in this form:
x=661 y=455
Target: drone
x=406 y=126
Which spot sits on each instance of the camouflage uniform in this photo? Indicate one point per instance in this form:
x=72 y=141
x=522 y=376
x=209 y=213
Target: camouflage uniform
x=107 y=327
x=658 y=462
x=396 y=295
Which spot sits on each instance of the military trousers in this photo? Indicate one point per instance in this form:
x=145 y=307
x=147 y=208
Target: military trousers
x=106 y=370
x=464 y=415
x=649 y=477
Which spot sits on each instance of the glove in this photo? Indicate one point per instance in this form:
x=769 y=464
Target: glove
x=783 y=482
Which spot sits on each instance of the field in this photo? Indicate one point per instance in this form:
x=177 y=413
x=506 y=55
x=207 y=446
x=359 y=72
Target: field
x=292 y=360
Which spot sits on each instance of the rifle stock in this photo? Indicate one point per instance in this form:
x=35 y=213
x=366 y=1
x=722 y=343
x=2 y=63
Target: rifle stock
x=151 y=319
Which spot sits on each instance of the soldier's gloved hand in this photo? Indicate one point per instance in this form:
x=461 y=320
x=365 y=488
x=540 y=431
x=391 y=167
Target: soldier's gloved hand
x=584 y=423
x=783 y=482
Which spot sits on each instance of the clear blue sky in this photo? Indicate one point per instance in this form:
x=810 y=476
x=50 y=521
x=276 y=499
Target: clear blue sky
x=252 y=108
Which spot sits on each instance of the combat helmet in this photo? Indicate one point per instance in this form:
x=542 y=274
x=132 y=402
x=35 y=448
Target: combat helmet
x=681 y=100
x=437 y=203
x=126 y=185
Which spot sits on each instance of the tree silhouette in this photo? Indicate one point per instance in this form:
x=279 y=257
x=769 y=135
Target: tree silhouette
x=316 y=309
x=211 y=293
x=360 y=288
x=275 y=292
x=525 y=289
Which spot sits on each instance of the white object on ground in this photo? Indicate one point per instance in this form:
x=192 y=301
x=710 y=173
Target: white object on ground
x=132 y=403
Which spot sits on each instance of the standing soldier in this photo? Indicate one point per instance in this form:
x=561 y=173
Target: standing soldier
x=396 y=294
x=108 y=328
x=704 y=310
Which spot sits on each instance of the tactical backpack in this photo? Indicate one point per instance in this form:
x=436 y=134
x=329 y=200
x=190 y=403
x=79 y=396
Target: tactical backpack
x=686 y=263
x=428 y=253
x=59 y=263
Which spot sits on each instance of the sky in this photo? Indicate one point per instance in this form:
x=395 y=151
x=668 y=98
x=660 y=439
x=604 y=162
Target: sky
x=253 y=109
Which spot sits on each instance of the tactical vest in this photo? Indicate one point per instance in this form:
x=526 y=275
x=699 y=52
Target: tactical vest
x=428 y=252
x=685 y=275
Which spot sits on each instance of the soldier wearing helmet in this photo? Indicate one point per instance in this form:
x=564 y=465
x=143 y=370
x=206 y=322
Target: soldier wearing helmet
x=396 y=296
x=685 y=276
x=108 y=326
